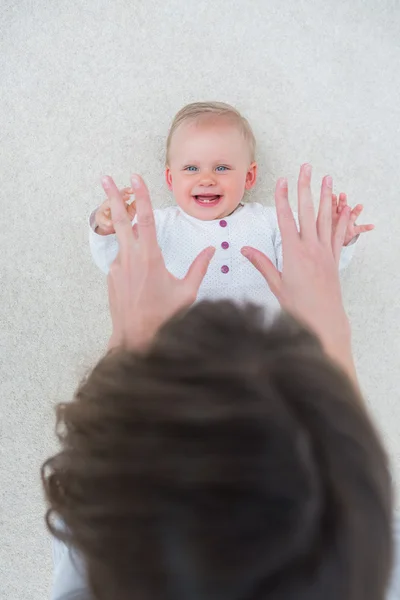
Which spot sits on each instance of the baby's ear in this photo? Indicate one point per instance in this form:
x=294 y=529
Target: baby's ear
x=168 y=178
x=251 y=176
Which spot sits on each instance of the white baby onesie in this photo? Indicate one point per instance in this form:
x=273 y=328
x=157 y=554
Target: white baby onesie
x=230 y=275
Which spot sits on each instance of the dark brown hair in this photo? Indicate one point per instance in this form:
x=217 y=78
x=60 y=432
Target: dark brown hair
x=229 y=461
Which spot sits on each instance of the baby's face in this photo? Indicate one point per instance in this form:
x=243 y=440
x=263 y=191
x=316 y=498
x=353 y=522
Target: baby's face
x=209 y=168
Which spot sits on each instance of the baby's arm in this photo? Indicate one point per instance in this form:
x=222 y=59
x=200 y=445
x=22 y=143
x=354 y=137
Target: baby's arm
x=104 y=248
x=102 y=238
x=347 y=254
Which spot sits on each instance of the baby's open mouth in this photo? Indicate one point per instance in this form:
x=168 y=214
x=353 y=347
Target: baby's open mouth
x=209 y=199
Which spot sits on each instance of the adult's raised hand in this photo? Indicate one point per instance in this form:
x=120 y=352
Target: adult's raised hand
x=309 y=285
x=142 y=293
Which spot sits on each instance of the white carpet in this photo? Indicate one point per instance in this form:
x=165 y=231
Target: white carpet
x=89 y=88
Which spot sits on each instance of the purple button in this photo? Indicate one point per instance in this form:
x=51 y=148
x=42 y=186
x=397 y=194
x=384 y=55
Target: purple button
x=225 y=269
x=225 y=245
x=223 y=223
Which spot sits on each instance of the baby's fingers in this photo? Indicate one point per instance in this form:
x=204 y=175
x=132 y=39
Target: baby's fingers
x=363 y=228
x=132 y=210
x=355 y=213
x=129 y=201
x=103 y=215
x=104 y=220
x=342 y=202
x=128 y=192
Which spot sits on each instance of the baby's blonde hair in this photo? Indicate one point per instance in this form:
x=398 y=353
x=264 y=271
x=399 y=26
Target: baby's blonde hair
x=198 y=110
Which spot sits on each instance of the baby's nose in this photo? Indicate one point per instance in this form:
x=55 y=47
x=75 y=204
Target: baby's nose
x=207 y=180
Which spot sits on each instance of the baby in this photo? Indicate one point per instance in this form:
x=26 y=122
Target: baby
x=210 y=163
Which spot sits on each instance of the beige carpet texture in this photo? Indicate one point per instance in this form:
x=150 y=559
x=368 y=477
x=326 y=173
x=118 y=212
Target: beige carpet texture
x=89 y=88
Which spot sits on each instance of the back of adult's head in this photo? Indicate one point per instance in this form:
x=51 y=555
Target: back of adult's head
x=228 y=461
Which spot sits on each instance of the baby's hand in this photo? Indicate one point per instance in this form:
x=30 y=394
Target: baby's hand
x=352 y=229
x=103 y=222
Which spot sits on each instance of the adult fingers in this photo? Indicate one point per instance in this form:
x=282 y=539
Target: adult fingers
x=135 y=231
x=112 y=298
x=340 y=233
x=306 y=206
x=286 y=221
x=267 y=269
x=119 y=216
x=334 y=211
x=324 y=219
x=198 y=268
x=145 y=216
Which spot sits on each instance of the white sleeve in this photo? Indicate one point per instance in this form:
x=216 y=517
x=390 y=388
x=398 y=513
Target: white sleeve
x=345 y=256
x=104 y=248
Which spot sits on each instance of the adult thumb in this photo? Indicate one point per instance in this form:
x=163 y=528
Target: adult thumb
x=198 y=268
x=264 y=265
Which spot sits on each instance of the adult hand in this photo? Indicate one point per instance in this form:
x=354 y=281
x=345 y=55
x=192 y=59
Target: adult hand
x=142 y=293
x=309 y=285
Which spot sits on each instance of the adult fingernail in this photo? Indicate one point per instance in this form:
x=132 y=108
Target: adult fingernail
x=307 y=169
x=135 y=182
x=245 y=251
x=329 y=181
x=210 y=252
x=106 y=181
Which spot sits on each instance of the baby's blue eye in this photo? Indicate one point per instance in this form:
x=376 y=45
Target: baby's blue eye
x=221 y=168
x=191 y=168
